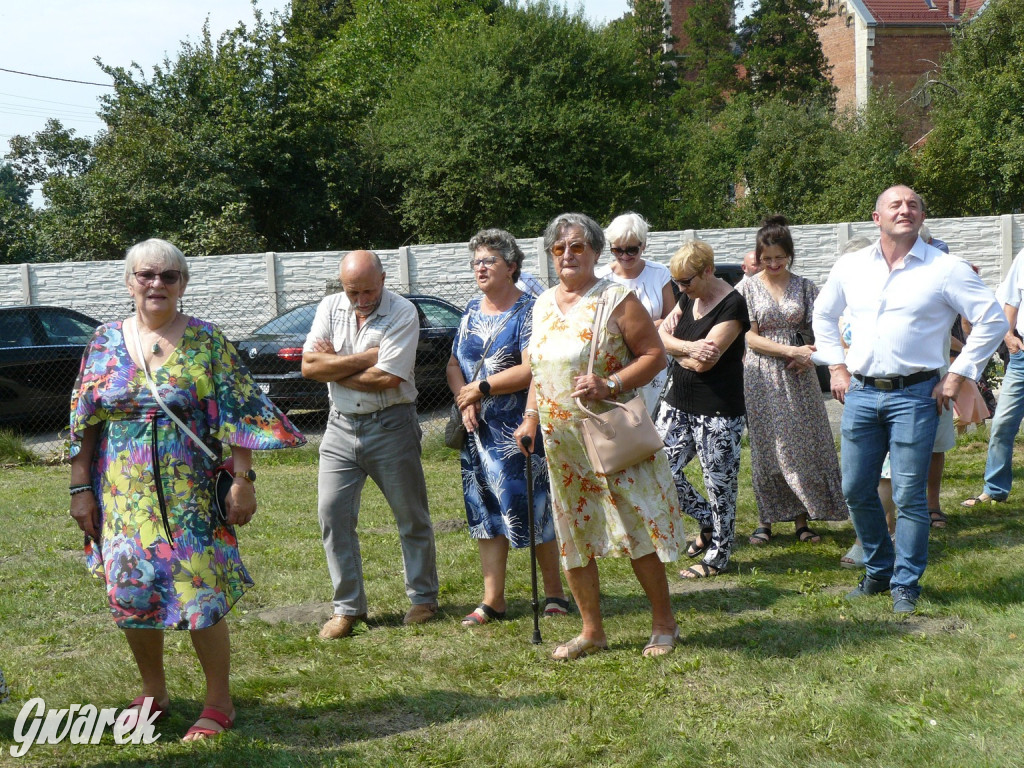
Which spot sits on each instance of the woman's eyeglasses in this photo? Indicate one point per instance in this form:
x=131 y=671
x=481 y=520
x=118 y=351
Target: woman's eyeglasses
x=774 y=260
x=631 y=250
x=576 y=248
x=488 y=261
x=146 y=277
x=684 y=282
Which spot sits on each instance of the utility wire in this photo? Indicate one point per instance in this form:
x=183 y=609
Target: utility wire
x=60 y=79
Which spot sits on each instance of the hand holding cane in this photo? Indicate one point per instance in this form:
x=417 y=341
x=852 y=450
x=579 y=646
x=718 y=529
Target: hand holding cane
x=527 y=444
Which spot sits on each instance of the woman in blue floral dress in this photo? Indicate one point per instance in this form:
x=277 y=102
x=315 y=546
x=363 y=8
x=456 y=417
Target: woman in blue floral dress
x=141 y=488
x=495 y=328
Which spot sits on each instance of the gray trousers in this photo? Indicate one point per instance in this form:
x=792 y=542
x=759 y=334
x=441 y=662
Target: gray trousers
x=386 y=447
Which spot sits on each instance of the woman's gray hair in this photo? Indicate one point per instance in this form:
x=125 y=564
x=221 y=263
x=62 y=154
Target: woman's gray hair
x=155 y=248
x=628 y=226
x=591 y=230
x=504 y=243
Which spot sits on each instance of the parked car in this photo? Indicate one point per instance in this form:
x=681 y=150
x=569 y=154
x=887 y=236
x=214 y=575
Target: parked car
x=273 y=354
x=40 y=354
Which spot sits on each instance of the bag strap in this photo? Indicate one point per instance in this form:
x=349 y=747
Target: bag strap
x=160 y=400
x=594 y=331
x=490 y=341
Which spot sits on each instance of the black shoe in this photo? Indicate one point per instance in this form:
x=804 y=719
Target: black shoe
x=868 y=587
x=903 y=601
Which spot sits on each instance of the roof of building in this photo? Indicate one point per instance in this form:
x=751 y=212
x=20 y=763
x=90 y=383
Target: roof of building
x=919 y=11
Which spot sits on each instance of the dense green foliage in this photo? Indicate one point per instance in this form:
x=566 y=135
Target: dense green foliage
x=345 y=123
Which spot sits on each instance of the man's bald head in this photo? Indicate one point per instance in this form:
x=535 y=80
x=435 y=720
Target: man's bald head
x=751 y=266
x=362 y=278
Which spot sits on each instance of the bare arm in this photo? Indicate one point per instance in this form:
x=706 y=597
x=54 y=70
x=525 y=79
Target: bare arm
x=799 y=357
x=241 y=501
x=84 y=507
x=323 y=363
x=668 y=302
x=720 y=336
x=1013 y=342
x=371 y=380
x=531 y=420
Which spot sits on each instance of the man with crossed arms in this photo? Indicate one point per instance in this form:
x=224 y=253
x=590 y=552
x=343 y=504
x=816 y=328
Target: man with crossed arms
x=900 y=296
x=363 y=344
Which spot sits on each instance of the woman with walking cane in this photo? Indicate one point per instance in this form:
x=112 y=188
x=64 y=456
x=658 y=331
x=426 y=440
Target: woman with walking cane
x=633 y=512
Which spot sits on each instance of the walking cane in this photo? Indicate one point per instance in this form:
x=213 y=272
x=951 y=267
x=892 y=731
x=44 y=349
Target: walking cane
x=527 y=444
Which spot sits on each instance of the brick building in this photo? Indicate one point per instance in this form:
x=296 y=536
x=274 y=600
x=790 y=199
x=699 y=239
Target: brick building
x=893 y=44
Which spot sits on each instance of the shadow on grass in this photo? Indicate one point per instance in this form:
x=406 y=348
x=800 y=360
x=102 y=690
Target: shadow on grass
x=284 y=736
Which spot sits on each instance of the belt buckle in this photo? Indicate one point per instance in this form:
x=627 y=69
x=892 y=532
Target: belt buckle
x=886 y=385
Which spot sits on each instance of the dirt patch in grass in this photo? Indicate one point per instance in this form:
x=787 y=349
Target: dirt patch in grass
x=307 y=613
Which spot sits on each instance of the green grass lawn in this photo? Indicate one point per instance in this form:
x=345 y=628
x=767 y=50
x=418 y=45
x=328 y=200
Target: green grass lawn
x=774 y=668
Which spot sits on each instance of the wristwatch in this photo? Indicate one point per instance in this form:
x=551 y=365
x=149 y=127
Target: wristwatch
x=249 y=475
x=485 y=387
x=612 y=385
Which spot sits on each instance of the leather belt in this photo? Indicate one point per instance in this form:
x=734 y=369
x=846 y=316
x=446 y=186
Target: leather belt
x=887 y=383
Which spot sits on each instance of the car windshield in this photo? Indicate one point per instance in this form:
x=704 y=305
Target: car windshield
x=64 y=329
x=437 y=315
x=295 y=321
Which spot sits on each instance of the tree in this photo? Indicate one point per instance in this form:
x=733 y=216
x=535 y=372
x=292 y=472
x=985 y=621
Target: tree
x=782 y=53
x=708 y=59
x=12 y=188
x=515 y=118
x=972 y=163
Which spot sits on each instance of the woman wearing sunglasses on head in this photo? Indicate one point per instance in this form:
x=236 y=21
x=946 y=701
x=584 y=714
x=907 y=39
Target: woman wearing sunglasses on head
x=702 y=414
x=792 y=453
x=142 y=488
x=633 y=513
x=650 y=281
x=489 y=379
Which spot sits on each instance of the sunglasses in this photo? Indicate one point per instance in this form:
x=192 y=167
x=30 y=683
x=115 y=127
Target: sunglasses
x=631 y=250
x=684 y=282
x=488 y=262
x=146 y=277
x=576 y=248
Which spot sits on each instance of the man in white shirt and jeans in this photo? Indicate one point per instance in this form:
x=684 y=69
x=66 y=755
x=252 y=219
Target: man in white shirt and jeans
x=1010 y=408
x=900 y=296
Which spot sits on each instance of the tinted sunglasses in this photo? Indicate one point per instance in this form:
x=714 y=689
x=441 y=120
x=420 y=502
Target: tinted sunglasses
x=684 y=282
x=576 y=248
x=146 y=277
x=631 y=250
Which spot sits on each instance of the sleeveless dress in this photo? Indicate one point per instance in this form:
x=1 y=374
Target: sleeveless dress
x=630 y=513
x=793 y=457
x=493 y=467
x=166 y=566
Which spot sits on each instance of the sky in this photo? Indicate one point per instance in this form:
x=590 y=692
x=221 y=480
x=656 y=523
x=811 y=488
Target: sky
x=61 y=39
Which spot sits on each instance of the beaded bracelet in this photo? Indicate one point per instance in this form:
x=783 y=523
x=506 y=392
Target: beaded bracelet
x=531 y=412
x=76 y=489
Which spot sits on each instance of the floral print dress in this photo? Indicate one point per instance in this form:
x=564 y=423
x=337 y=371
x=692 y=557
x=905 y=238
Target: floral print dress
x=164 y=562
x=630 y=513
x=793 y=456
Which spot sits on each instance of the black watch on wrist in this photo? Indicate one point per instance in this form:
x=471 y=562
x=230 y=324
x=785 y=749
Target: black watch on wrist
x=485 y=388
x=249 y=475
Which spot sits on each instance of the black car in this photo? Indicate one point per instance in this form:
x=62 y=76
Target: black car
x=40 y=354
x=273 y=354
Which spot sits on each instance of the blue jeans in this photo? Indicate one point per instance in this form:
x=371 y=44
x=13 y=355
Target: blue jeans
x=901 y=422
x=1005 y=423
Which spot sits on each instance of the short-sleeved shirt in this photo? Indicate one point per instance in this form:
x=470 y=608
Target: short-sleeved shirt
x=648 y=285
x=394 y=327
x=1011 y=290
x=718 y=391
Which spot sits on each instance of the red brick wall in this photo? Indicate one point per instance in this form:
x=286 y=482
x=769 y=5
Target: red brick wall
x=838 y=44
x=902 y=55
x=679 y=10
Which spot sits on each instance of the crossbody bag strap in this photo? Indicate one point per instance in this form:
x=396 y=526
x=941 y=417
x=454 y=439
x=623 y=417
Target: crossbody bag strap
x=594 y=331
x=490 y=341
x=160 y=400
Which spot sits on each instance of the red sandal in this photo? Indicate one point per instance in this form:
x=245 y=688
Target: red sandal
x=225 y=723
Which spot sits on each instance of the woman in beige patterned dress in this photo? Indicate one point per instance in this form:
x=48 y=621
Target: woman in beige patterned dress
x=632 y=513
x=795 y=467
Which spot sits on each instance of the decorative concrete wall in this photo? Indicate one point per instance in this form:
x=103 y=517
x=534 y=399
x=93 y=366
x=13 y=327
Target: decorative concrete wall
x=241 y=290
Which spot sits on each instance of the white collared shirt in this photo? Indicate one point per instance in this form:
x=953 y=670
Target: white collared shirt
x=394 y=327
x=1011 y=290
x=900 y=320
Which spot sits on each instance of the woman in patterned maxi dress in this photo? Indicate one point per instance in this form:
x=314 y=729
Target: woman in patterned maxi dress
x=795 y=468
x=632 y=513
x=141 y=488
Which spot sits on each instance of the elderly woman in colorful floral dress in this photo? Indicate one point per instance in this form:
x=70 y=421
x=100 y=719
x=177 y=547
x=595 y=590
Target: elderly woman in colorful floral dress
x=141 y=489
x=632 y=513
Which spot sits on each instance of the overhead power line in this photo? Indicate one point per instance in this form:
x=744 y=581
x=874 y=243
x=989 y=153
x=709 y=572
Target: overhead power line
x=59 y=79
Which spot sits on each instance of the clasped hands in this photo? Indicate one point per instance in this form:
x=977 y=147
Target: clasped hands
x=800 y=357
